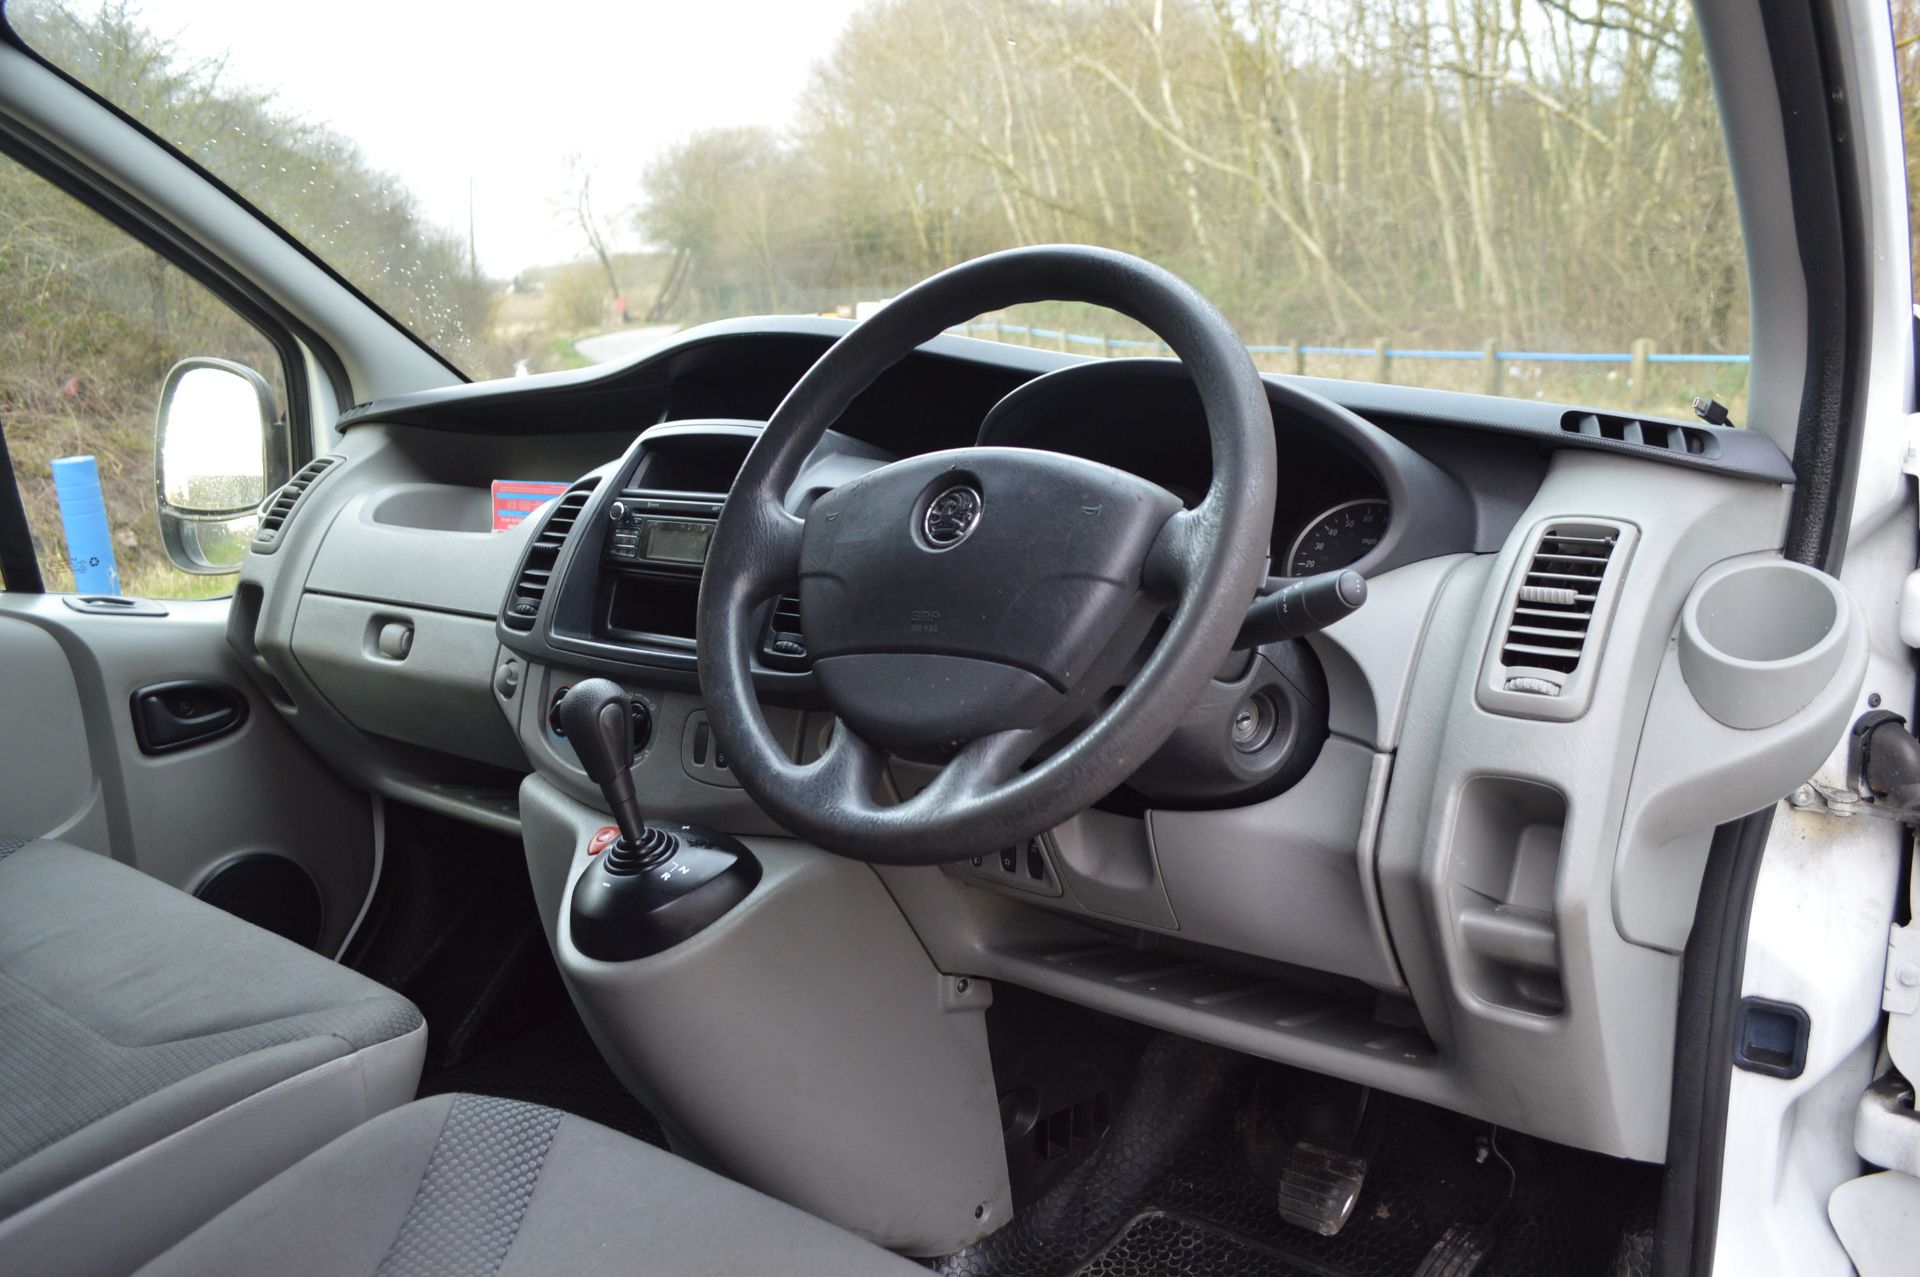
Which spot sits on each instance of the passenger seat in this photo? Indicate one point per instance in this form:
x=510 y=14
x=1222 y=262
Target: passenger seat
x=161 y=1058
x=483 y=1187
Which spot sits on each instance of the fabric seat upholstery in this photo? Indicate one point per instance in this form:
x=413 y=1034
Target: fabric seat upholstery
x=162 y=1058
x=473 y=1186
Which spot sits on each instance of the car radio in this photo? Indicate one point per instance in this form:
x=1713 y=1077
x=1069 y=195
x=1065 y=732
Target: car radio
x=661 y=530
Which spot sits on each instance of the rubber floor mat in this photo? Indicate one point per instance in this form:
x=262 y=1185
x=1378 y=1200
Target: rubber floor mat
x=1157 y=1244
x=1170 y=1192
x=1557 y=1213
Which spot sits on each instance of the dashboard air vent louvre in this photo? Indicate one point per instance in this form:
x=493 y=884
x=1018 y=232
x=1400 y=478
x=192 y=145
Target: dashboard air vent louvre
x=785 y=644
x=278 y=509
x=1698 y=441
x=536 y=572
x=1553 y=611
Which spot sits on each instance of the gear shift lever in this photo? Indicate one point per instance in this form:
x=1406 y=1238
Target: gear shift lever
x=598 y=719
x=656 y=886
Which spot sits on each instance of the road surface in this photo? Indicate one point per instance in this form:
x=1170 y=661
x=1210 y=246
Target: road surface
x=623 y=343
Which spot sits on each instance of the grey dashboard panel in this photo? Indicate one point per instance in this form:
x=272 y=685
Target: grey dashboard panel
x=806 y=1030
x=572 y=627
x=1694 y=772
x=1496 y=858
x=1369 y=657
x=273 y=588
x=1445 y=929
x=426 y=545
x=1487 y=808
x=1286 y=880
x=1290 y=878
x=430 y=688
x=662 y=777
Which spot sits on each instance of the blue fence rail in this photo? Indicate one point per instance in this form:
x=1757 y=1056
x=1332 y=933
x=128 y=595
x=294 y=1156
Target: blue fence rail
x=1642 y=356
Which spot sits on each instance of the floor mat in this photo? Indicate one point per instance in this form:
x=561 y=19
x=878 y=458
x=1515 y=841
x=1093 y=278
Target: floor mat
x=1170 y=1192
x=1157 y=1244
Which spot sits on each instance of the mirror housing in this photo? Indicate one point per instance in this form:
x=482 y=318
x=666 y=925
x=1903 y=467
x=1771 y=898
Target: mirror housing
x=219 y=450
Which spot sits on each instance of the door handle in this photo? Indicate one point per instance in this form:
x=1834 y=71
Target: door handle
x=170 y=716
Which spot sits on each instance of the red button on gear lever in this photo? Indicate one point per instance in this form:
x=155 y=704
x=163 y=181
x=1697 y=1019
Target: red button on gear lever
x=602 y=839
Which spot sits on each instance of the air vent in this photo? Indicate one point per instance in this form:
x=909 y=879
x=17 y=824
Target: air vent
x=279 y=508
x=785 y=644
x=536 y=573
x=1555 y=619
x=1667 y=436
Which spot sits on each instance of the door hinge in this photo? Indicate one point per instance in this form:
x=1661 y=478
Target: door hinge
x=1883 y=774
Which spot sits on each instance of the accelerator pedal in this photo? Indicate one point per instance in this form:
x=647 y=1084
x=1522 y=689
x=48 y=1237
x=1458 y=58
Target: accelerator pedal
x=1319 y=1186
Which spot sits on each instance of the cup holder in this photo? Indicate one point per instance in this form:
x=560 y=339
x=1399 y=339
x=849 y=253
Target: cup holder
x=1759 y=638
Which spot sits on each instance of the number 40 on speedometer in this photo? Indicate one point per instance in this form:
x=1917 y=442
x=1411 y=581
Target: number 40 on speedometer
x=1338 y=537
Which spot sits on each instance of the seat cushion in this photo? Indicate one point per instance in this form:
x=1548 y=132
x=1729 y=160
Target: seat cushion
x=139 y=1026
x=474 y=1186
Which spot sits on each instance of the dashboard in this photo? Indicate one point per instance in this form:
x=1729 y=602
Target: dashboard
x=617 y=590
x=1341 y=847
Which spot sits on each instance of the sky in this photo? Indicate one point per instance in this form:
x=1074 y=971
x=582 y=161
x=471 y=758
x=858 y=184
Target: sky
x=444 y=94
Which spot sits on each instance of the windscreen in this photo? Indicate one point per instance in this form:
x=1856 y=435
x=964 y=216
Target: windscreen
x=1513 y=198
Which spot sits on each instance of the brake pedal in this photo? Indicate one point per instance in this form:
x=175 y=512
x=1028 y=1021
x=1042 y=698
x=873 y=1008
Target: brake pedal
x=1319 y=1186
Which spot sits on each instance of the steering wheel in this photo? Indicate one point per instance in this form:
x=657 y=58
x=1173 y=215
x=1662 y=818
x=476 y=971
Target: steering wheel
x=966 y=605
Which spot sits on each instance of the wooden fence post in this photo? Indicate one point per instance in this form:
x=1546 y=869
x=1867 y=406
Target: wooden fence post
x=1640 y=366
x=1298 y=352
x=1490 y=361
x=1106 y=348
x=999 y=331
x=1063 y=341
x=1382 y=362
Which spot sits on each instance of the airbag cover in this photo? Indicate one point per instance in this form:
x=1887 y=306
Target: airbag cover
x=1005 y=556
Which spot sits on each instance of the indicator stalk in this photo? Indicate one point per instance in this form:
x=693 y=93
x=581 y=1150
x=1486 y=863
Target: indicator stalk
x=1302 y=607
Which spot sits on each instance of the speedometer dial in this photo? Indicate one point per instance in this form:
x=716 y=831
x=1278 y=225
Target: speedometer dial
x=1339 y=537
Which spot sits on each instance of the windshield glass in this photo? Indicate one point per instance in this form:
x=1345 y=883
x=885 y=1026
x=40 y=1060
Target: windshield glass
x=1517 y=198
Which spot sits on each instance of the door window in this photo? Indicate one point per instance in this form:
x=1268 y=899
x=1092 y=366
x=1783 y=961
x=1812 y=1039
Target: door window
x=91 y=322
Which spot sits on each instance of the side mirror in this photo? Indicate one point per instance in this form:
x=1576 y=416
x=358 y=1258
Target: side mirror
x=219 y=449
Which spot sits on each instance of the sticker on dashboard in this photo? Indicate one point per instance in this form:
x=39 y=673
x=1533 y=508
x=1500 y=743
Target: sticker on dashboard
x=515 y=499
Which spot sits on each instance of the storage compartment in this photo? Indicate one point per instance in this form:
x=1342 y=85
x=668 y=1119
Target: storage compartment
x=696 y=456
x=650 y=607
x=419 y=545
x=434 y=507
x=1759 y=638
x=1504 y=862
x=409 y=674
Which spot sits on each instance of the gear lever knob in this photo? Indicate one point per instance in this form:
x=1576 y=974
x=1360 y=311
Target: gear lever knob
x=598 y=719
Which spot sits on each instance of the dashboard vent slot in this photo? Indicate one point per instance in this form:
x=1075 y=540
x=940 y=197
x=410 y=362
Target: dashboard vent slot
x=1697 y=441
x=536 y=573
x=785 y=644
x=1553 y=611
x=278 y=510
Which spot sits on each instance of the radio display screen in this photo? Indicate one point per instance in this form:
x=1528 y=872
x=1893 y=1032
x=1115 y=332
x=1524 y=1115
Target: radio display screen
x=673 y=542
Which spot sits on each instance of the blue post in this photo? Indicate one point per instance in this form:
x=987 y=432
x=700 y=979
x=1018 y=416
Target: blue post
x=83 y=511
